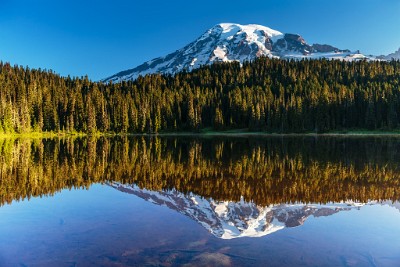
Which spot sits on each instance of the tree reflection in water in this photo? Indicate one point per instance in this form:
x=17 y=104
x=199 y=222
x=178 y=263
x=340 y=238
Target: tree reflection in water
x=265 y=171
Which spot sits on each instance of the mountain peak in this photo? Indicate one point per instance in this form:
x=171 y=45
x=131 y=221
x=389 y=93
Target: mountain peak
x=234 y=28
x=227 y=42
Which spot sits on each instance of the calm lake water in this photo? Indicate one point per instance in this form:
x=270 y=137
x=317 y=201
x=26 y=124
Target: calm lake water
x=196 y=201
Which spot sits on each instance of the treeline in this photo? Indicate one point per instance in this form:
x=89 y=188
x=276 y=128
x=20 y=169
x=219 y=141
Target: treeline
x=265 y=171
x=265 y=95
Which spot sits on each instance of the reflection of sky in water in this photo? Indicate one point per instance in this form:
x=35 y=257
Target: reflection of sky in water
x=103 y=226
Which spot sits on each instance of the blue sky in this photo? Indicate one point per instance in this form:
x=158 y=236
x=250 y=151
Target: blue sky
x=100 y=38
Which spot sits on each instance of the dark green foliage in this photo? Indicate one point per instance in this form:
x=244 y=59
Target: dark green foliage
x=265 y=95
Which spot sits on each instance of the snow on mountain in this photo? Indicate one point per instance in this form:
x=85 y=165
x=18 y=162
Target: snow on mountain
x=228 y=220
x=228 y=42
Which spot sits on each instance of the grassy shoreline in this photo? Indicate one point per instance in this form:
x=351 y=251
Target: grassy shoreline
x=204 y=132
x=246 y=132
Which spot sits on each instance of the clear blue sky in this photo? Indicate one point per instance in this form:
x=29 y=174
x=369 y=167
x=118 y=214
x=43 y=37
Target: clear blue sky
x=100 y=38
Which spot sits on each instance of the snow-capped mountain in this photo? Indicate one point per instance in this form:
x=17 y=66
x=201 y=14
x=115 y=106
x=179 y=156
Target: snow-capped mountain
x=227 y=219
x=234 y=42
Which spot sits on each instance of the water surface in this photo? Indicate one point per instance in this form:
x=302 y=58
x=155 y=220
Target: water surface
x=200 y=201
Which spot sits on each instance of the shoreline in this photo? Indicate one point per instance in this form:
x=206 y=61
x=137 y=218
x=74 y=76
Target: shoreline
x=228 y=133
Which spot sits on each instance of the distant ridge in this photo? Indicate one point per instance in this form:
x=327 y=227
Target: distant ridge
x=392 y=56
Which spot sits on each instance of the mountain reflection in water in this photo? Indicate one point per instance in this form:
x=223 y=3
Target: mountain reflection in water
x=228 y=219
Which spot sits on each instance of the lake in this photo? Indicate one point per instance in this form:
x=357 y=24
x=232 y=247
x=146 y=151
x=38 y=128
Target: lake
x=200 y=201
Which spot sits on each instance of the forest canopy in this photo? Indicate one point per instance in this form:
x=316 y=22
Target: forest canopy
x=268 y=95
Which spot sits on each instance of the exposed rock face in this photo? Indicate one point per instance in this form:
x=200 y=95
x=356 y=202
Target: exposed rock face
x=294 y=43
x=234 y=42
x=324 y=48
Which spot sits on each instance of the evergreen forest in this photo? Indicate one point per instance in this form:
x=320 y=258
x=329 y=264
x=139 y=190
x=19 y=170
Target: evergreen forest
x=265 y=95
